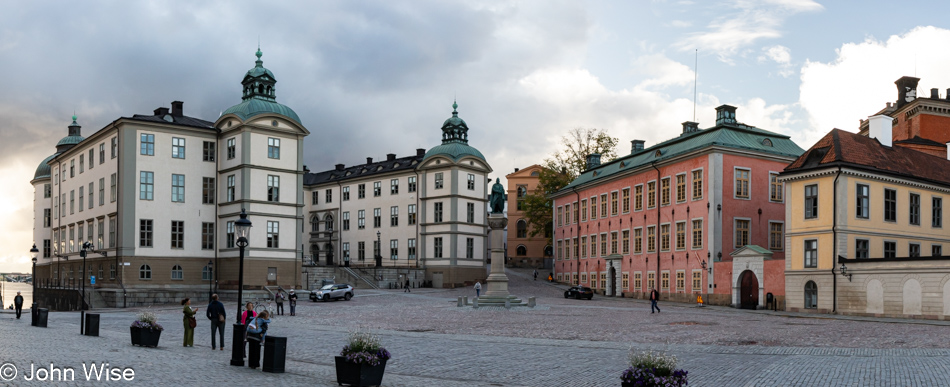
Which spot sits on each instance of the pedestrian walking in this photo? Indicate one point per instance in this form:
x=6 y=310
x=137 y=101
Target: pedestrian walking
x=189 y=321
x=478 y=289
x=18 y=304
x=654 y=297
x=293 y=302
x=279 y=299
x=407 y=287
x=218 y=316
x=535 y=274
x=248 y=312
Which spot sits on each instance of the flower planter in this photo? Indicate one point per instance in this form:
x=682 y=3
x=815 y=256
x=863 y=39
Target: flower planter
x=359 y=375
x=145 y=337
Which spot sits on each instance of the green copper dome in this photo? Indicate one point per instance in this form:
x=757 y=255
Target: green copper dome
x=453 y=151
x=73 y=137
x=253 y=107
x=43 y=170
x=260 y=94
x=70 y=140
x=454 y=139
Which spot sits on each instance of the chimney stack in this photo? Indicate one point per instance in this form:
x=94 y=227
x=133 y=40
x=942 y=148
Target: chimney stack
x=340 y=167
x=881 y=128
x=390 y=156
x=725 y=114
x=593 y=160
x=906 y=90
x=369 y=160
x=947 y=96
x=161 y=112
x=178 y=108
x=636 y=146
x=690 y=127
x=935 y=93
x=420 y=152
x=305 y=169
x=516 y=169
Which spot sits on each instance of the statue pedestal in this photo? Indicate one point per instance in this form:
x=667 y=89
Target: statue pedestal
x=496 y=287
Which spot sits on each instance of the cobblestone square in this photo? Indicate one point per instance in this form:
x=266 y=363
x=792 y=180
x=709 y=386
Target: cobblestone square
x=559 y=343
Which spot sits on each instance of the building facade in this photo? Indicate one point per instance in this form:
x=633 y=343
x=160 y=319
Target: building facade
x=157 y=196
x=700 y=214
x=424 y=211
x=525 y=250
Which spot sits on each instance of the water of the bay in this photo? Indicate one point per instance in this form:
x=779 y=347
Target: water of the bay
x=10 y=289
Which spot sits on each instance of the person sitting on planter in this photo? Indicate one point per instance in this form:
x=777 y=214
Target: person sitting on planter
x=256 y=332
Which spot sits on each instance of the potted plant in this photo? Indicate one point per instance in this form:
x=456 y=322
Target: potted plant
x=362 y=361
x=145 y=330
x=648 y=369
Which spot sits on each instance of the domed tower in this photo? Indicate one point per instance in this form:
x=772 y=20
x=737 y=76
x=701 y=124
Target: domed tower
x=43 y=192
x=454 y=198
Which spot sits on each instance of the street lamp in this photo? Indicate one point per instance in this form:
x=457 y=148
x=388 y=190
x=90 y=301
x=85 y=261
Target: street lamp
x=243 y=227
x=379 y=250
x=33 y=253
x=210 y=280
x=844 y=272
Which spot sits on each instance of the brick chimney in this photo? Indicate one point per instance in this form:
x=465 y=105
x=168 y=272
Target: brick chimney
x=178 y=108
x=906 y=90
x=881 y=128
x=340 y=167
x=369 y=160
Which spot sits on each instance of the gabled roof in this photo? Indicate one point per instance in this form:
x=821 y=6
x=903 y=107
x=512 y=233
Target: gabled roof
x=752 y=250
x=846 y=149
x=362 y=171
x=728 y=135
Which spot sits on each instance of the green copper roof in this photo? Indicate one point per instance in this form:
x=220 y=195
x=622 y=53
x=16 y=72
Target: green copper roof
x=256 y=106
x=70 y=140
x=454 y=139
x=455 y=151
x=259 y=69
x=728 y=135
x=43 y=170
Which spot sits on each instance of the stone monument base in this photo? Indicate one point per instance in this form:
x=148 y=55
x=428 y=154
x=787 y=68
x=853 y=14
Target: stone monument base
x=510 y=301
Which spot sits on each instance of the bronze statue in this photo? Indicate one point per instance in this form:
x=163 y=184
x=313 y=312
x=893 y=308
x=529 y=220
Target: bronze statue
x=497 y=198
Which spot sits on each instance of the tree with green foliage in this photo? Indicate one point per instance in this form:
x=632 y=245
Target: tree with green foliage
x=564 y=165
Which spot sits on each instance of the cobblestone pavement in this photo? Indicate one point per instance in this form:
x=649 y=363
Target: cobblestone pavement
x=559 y=343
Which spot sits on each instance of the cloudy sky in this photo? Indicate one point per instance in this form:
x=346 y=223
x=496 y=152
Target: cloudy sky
x=375 y=77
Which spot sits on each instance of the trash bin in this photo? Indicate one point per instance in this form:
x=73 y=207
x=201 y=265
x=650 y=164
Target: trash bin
x=253 y=351
x=92 y=324
x=42 y=315
x=33 y=314
x=275 y=354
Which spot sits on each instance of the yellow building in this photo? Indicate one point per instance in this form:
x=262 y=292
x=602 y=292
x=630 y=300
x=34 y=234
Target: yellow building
x=865 y=230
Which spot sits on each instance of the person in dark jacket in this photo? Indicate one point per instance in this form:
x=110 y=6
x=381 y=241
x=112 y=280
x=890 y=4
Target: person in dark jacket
x=218 y=316
x=407 y=287
x=654 y=297
x=279 y=299
x=18 y=304
x=293 y=302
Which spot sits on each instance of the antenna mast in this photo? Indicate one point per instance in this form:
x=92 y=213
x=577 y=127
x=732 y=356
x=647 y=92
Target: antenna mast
x=695 y=76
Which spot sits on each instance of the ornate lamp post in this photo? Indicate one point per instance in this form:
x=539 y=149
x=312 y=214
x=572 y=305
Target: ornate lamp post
x=33 y=253
x=82 y=277
x=243 y=227
x=379 y=250
x=210 y=280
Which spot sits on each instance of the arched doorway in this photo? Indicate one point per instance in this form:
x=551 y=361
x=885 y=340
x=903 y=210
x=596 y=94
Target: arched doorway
x=612 y=280
x=329 y=250
x=748 y=290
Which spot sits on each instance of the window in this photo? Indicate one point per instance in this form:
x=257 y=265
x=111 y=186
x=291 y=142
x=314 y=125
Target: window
x=603 y=244
x=273 y=188
x=146 y=182
x=625 y=282
x=346 y=193
x=147 y=145
x=625 y=243
x=112 y=232
x=521 y=193
x=273 y=148
x=583 y=208
x=470 y=212
x=613 y=204
x=437 y=247
x=698 y=234
x=361 y=251
x=361 y=191
x=273 y=234
x=681 y=236
x=862 y=248
x=471 y=182
x=665 y=280
x=394 y=249
x=437 y=213
x=438 y=180
x=314 y=224
x=811 y=253
x=90 y=229
x=230 y=188
x=680 y=188
x=521 y=251
x=577 y=248
x=412 y=184
x=937 y=212
x=742 y=183
x=625 y=202
x=811 y=201
x=178 y=234
x=776 y=235
x=328 y=196
x=47 y=248
x=470 y=248
x=207 y=151
x=560 y=216
x=207 y=236
x=638 y=198
x=811 y=295
x=82 y=163
x=577 y=212
x=651 y=239
x=230 y=143
x=145 y=233
x=72 y=201
x=914 y=210
x=178 y=148
x=411 y=249
x=47 y=218
x=637 y=240
x=102 y=153
x=207 y=190
x=206 y=273
x=697 y=281
x=613 y=243
x=394 y=216
x=112 y=188
x=346 y=251
x=92 y=161
x=377 y=217
x=593 y=207
x=665 y=237
x=81 y=198
x=665 y=191
x=697 y=185
x=102 y=191
x=145 y=272
x=681 y=280
x=637 y=280
x=890 y=205
x=47 y=191
x=80 y=228
x=377 y=188
x=862 y=201
x=361 y=219
x=935 y=250
x=742 y=232
x=176 y=272
x=913 y=250
x=178 y=188
x=394 y=186
x=346 y=221
x=603 y=206
x=651 y=194
x=412 y=214
x=560 y=251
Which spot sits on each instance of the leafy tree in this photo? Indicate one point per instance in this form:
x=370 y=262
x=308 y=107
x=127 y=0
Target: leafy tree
x=564 y=165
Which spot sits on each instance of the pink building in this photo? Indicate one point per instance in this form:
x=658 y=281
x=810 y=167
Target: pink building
x=699 y=214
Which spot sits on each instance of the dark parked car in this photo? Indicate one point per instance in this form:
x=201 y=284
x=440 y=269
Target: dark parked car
x=332 y=292
x=579 y=292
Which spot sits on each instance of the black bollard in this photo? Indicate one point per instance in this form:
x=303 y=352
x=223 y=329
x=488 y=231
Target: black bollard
x=237 y=346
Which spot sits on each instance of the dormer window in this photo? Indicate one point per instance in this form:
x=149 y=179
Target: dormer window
x=767 y=142
x=658 y=153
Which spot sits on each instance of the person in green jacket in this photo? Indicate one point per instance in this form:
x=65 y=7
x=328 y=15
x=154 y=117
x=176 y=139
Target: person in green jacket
x=189 y=313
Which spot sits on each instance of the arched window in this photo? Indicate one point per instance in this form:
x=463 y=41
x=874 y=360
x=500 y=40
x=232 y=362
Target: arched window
x=328 y=220
x=522 y=251
x=329 y=250
x=314 y=224
x=522 y=228
x=767 y=142
x=535 y=174
x=268 y=90
x=260 y=89
x=314 y=252
x=522 y=191
x=176 y=272
x=145 y=272
x=811 y=295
